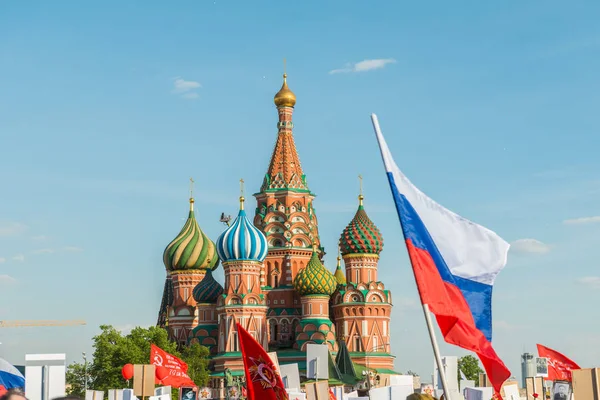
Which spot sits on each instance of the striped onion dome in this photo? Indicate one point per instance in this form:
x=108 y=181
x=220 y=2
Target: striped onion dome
x=361 y=236
x=315 y=279
x=208 y=289
x=339 y=275
x=191 y=249
x=242 y=240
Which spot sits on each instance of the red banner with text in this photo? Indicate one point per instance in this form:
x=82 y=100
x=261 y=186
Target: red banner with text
x=170 y=370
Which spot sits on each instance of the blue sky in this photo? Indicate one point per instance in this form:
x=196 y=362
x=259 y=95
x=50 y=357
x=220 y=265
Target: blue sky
x=107 y=109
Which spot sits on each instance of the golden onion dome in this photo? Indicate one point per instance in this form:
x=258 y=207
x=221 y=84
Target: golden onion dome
x=285 y=97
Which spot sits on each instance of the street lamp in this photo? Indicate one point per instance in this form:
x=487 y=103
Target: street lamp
x=84 y=372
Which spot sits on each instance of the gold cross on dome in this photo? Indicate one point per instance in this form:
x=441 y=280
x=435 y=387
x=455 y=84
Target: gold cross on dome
x=191 y=187
x=242 y=187
x=360 y=181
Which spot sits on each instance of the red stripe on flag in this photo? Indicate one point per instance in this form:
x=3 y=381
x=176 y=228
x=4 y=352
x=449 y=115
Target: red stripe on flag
x=453 y=315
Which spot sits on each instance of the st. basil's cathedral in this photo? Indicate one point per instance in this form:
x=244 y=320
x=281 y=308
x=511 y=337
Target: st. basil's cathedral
x=276 y=285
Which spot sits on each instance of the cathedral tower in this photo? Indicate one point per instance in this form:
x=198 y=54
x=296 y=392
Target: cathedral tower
x=242 y=248
x=186 y=258
x=286 y=215
x=206 y=294
x=315 y=284
x=362 y=306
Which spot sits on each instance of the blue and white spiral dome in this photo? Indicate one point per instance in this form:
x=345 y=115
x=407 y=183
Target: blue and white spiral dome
x=242 y=241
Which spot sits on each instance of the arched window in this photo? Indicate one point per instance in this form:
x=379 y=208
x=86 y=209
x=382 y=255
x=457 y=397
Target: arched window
x=357 y=346
x=235 y=344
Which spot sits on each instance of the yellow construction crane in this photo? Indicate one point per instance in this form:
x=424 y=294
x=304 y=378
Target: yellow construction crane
x=22 y=324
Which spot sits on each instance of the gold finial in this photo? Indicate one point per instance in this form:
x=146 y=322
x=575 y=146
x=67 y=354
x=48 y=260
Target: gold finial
x=285 y=97
x=242 y=194
x=191 y=194
x=360 y=196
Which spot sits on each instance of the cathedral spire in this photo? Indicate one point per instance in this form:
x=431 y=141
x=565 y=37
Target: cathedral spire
x=285 y=171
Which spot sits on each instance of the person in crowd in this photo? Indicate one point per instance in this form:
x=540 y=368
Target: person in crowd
x=561 y=392
x=13 y=394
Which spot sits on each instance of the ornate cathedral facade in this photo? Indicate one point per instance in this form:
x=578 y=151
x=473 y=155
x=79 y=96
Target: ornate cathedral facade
x=276 y=285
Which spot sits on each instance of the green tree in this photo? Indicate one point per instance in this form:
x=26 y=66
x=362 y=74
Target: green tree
x=112 y=350
x=76 y=379
x=469 y=365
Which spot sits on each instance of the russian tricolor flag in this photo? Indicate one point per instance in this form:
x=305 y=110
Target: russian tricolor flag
x=10 y=377
x=455 y=262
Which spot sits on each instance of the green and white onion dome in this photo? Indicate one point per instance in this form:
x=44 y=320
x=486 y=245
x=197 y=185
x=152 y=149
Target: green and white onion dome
x=242 y=241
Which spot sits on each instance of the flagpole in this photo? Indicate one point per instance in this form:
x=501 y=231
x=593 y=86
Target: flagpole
x=429 y=323
x=436 y=351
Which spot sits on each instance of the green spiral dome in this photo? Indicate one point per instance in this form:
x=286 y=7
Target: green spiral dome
x=191 y=249
x=361 y=236
x=315 y=279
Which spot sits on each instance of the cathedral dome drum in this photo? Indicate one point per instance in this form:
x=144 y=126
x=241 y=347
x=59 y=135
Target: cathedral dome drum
x=208 y=289
x=242 y=241
x=361 y=236
x=315 y=279
x=191 y=249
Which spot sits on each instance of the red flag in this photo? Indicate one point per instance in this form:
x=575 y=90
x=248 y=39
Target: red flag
x=332 y=395
x=262 y=378
x=559 y=366
x=177 y=368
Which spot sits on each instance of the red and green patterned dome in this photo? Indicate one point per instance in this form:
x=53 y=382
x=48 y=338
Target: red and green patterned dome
x=361 y=236
x=315 y=279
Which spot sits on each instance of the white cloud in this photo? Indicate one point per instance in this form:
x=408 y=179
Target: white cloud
x=73 y=249
x=19 y=258
x=529 y=246
x=187 y=89
x=43 y=251
x=364 y=65
x=590 y=281
x=2 y=260
x=7 y=280
x=40 y=237
x=12 y=229
x=581 y=221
